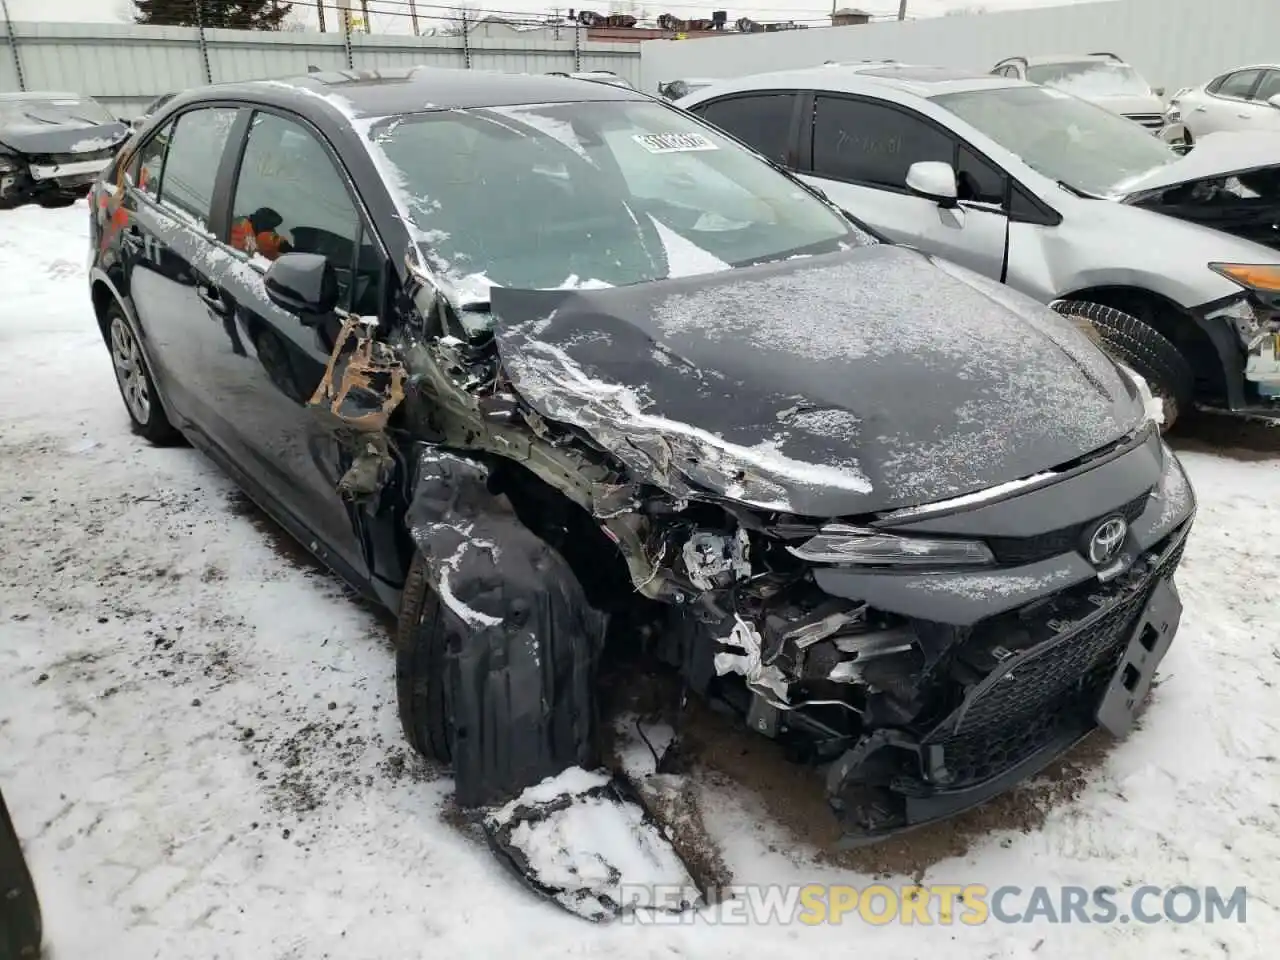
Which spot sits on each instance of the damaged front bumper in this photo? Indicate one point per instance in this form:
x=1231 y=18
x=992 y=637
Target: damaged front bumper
x=1040 y=681
x=943 y=688
x=25 y=178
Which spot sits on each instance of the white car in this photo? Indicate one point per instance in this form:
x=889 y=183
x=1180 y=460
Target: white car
x=1247 y=98
x=1175 y=259
x=1101 y=78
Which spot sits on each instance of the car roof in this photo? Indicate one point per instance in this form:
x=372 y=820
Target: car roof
x=1047 y=58
x=919 y=80
x=379 y=93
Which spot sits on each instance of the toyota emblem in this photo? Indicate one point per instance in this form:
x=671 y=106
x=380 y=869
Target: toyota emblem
x=1106 y=540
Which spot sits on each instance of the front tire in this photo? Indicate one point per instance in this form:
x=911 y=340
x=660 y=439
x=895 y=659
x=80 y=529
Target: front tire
x=137 y=389
x=1144 y=349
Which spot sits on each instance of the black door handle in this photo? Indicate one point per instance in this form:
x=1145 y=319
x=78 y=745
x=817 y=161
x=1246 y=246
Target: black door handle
x=212 y=298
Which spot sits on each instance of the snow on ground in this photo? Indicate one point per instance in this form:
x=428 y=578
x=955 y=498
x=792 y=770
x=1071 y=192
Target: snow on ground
x=198 y=738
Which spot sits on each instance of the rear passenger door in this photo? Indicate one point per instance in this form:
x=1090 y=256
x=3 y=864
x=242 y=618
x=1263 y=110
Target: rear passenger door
x=289 y=193
x=860 y=153
x=168 y=249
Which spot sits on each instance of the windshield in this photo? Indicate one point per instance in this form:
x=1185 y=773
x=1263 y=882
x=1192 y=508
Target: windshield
x=39 y=110
x=1091 y=78
x=594 y=194
x=1058 y=135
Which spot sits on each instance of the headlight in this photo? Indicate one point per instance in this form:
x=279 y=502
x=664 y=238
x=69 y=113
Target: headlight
x=838 y=543
x=1173 y=115
x=1259 y=277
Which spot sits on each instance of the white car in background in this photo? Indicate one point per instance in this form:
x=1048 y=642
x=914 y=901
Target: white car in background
x=1101 y=78
x=1175 y=260
x=1246 y=98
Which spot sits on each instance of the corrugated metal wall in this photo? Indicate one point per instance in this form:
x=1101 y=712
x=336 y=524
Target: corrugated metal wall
x=1174 y=43
x=125 y=66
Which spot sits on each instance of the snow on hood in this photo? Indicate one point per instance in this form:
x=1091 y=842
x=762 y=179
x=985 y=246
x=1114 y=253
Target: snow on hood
x=1214 y=155
x=853 y=382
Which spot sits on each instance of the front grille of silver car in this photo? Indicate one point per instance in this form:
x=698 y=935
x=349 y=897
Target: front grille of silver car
x=1152 y=120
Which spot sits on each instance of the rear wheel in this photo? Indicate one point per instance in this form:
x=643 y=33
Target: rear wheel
x=1145 y=350
x=134 y=380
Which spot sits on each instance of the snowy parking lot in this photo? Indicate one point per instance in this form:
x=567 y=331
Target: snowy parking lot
x=199 y=742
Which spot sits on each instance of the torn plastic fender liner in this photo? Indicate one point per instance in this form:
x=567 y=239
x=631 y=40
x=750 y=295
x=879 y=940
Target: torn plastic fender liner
x=359 y=390
x=521 y=644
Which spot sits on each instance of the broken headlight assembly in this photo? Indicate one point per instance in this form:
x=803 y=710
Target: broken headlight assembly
x=858 y=546
x=1256 y=320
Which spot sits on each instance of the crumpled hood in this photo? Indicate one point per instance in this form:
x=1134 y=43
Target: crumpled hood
x=70 y=137
x=827 y=386
x=1214 y=155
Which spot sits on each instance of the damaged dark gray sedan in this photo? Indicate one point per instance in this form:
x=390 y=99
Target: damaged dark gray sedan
x=540 y=364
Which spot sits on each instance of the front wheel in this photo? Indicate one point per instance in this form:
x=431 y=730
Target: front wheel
x=496 y=663
x=1142 y=348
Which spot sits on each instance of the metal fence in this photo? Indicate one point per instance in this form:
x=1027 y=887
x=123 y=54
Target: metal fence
x=125 y=66
x=1173 y=43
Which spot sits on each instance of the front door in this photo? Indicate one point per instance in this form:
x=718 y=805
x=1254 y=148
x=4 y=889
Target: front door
x=291 y=196
x=860 y=156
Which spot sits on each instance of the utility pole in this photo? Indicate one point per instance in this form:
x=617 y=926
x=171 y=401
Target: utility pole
x=555 y=22
x=902 y=9
x=413 y=15
x=13 y=45
x=320 y=13
x=368 y=27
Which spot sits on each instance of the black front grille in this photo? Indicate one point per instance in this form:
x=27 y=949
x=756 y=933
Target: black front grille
x=1146 y=119
x=1016 y=551
x=1045 y=693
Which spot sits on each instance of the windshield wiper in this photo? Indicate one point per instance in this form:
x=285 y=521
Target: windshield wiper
x=1077 y=191
x=32 y=116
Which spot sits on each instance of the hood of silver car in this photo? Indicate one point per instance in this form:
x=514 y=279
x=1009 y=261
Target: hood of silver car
x=1214 y=155
x=824 y=386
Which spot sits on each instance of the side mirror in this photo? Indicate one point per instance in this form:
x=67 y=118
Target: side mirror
x=1159 y=91
x=302 y=283
x=935 y=180
x=1275 y=101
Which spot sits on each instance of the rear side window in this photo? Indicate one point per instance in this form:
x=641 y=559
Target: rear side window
x=873 y=144
x=191 y=164
x=291 y=197
x=1238 y=84
x=762 y=122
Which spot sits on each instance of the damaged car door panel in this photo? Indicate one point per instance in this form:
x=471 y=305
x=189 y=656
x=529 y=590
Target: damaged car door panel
x=903 y=520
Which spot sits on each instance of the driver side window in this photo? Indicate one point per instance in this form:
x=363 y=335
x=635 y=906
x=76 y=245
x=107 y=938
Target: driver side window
x=290 y=197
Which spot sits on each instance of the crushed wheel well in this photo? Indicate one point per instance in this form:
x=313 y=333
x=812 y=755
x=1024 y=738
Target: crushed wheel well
x=102 y=299
x=1172 y=322
x=570 y=531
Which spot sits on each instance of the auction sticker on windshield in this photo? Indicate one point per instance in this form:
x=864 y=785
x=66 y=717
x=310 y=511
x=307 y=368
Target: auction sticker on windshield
x=673 y=142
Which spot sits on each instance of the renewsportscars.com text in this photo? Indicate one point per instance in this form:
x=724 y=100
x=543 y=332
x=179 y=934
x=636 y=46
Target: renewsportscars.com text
x=943 y=904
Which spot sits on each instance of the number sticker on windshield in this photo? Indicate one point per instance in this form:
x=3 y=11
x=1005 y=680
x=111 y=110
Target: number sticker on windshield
x=673 y=142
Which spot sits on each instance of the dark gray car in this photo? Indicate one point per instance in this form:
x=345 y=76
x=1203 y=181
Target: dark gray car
x=910 y=523
x=53 y=146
